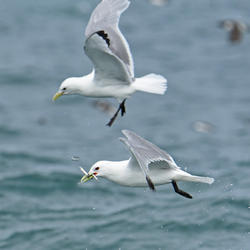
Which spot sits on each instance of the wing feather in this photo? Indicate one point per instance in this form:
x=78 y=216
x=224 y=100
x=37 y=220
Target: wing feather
x=105 y=18
x=140 y=163
x=148 y=151
x=107 y=65
x=148 y=155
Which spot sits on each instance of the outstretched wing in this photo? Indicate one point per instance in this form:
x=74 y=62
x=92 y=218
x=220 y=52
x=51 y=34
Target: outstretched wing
x=147 y=154
x=107 y=65
x=103 y=24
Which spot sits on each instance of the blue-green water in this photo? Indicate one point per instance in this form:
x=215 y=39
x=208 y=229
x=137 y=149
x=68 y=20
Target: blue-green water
x=41 y=204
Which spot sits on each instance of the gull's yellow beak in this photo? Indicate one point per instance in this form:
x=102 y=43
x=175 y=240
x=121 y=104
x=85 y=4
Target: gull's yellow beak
x=57 y=95
x=87 y=177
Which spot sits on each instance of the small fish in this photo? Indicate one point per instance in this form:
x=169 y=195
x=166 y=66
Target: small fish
x=86 y=176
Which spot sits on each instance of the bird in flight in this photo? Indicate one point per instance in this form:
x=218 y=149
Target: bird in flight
x=235 y=29
x=113 y=73
x=148 y=166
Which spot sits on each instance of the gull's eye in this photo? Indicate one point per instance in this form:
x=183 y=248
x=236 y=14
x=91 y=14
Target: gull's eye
x=97 y=168
x=64 y=88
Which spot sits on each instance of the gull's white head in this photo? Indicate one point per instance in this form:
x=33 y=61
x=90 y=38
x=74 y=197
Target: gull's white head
x=75 y=86
x=67 y=87
x=99 y=169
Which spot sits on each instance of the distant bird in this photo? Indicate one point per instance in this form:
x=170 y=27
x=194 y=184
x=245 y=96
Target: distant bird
x=235 y=29
x=113 y=74
x=147 y=166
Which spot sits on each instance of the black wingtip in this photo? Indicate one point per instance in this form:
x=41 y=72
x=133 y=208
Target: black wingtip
x=104 y=35
x=150 y=183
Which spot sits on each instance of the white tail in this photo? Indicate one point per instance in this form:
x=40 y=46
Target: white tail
x=151 y=83
x=207 y=180
x=188 y=177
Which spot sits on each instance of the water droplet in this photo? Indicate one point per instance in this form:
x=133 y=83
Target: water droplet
x=202 y=126
x=75 y=158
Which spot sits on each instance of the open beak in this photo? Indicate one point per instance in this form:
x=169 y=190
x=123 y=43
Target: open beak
x=87 y=176
x=57 y=95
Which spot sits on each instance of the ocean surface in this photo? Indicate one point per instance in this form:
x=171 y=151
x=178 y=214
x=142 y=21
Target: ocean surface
x=203 y=121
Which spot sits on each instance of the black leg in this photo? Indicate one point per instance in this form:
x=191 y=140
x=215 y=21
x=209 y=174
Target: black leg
x=150 y=183
x=113 y=118
x=179 y=191
x=123 y=111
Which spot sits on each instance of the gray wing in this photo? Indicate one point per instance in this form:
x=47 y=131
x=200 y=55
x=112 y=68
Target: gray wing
x=148 y=155
x=104 y=20
x=106 y=64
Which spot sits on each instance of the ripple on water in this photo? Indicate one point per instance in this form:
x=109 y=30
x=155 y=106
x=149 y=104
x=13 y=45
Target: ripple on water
x=7 y=131
x=29 y=156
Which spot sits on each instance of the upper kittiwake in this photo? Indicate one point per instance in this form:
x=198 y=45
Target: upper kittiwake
x=113 y=73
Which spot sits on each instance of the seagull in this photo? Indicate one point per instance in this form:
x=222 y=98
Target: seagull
x=113 y=73
x=235 y=29
x=147 y=166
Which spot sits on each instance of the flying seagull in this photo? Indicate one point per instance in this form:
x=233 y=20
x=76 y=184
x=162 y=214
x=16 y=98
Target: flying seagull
x=113 y=73
x=147 y=166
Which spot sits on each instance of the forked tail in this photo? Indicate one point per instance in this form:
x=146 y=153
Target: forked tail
x=151 y=83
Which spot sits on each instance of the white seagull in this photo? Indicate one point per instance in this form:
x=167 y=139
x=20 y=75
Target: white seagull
x=113 y=73
x=147 y=166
